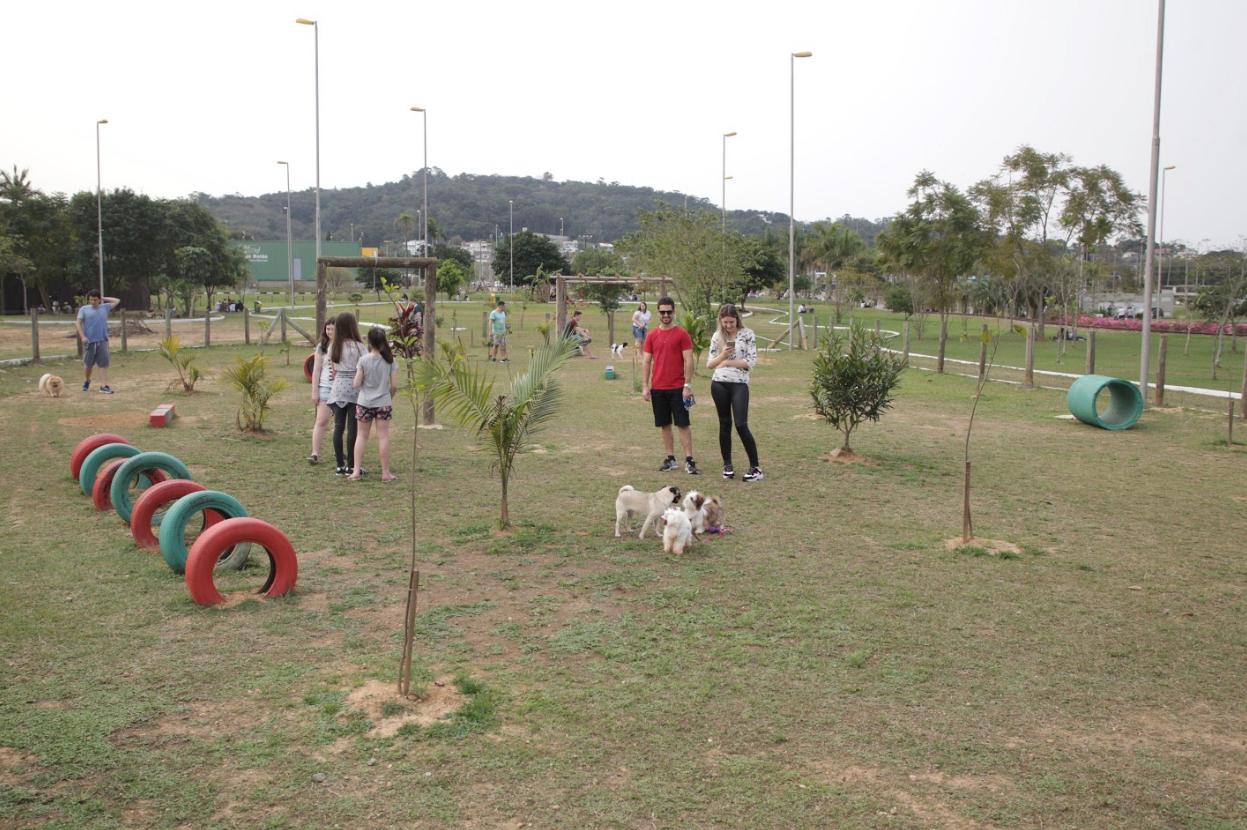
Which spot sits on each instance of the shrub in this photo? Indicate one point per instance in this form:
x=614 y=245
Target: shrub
x=249 y=377
x=188 y=374
x=853 y=379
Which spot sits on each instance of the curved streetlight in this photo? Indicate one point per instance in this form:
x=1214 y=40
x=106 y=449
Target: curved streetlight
x=99 y=201
x=424 y=233
x=511 y=241
x=792 y=189
x=316 y=41
x=289 y=236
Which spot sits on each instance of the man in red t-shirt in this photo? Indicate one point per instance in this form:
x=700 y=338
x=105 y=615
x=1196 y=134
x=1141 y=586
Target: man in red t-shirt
x=666 y=368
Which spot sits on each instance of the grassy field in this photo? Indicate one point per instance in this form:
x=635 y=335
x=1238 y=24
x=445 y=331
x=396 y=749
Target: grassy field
x=831 y=663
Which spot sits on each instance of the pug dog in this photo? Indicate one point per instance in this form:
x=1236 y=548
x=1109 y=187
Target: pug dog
x=678 y=532
x=632 y=502
x=51 y=385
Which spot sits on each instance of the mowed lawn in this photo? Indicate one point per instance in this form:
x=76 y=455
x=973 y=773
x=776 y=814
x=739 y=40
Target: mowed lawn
x=830 y=663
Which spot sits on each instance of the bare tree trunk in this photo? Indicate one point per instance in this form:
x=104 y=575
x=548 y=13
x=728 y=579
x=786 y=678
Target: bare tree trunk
x=505 y=521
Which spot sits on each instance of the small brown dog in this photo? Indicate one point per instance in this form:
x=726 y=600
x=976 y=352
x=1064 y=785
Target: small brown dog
x=705 y=513
x=51 y=385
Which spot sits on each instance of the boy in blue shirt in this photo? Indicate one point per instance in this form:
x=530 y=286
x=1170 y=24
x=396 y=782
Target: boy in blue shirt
x=498 y=328
x=92 y=325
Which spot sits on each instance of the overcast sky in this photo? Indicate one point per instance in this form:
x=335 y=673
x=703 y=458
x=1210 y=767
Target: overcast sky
x=206 y=97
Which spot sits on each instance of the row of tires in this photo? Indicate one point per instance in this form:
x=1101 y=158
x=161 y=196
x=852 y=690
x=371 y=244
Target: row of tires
x=107 y=466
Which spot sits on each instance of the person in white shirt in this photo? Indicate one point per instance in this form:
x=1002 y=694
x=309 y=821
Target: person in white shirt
x=733 y=354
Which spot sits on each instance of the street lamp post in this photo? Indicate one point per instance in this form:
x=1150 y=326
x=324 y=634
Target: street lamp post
x=792 y=189
x=1145 y=345
x=1164 y=173
x=99 y=201
x=726 y=136
x=289 y=235
x=511 y=241
x=316 y=42
x=424 y=231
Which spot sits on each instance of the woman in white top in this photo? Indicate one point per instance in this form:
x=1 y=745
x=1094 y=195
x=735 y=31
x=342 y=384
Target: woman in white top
x=640 y=324
x=376 y=381
x=322 y=379
x=733 y=354
x=345 y=353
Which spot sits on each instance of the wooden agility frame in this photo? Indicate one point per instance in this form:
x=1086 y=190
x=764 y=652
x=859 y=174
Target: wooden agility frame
x=560 y=291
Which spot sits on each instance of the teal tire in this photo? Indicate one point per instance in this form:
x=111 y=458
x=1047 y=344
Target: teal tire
x=1125 y=402
x=129 y=475
x=98 y=457
x=173 y=527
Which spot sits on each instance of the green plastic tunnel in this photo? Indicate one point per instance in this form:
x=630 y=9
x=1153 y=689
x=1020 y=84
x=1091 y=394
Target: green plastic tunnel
x=1125 y=402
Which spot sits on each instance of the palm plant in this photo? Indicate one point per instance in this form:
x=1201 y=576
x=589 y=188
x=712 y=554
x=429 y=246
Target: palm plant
x=503 y=423
x=188 y=374
x=249 y=378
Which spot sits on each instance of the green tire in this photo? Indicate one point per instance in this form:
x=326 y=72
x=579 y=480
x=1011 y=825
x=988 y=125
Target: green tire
x=130 y=472
x=98 y=458
x=173 y=526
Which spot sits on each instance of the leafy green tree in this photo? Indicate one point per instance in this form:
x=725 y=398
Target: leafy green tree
x=442 y=251
x=853 y=379
x=835 y=247
x=505 y=424
x=450 y=276
x=533 y=253
x=598 y=262
x=690 y=248
x=763 y=263
x=135 y=252
x=939 y=237
x=899 y=300
x=194 y=270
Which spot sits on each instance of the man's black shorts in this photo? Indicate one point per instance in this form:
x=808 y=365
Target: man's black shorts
x=668 y=405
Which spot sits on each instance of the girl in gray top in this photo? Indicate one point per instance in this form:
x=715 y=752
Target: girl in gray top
x=376 y=381
x=345 y=354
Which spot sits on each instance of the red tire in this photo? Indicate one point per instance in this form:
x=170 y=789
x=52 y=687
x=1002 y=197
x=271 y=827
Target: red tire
x=101 y=490
x=156 y=497
x=308 y=365
x=86 y=445
x=283 y=563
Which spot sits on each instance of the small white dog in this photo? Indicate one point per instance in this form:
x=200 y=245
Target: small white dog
x=632 y=502
x=694 y=508
x=678 y=533
x=51 y=385
x=617 y=349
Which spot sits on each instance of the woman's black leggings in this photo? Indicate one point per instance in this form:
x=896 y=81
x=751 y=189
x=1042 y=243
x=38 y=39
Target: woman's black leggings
x=344 y=419
x=731 y=401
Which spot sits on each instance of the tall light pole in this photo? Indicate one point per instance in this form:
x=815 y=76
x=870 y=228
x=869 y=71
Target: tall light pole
x=316 y=40
x=424 y=232
x=511 y=241
x=1164 y=173
x=792 y=188
x=99 y=201
x=289 y=235
x=1146 y=340
x=560 y=226
x=726 y=136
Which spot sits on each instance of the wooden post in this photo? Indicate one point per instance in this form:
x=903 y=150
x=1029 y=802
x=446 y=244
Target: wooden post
x=610 y=327
x=283 y=325
x=1028 y=378
x=878 y=329
x=1229 y=429
x=208 y=327
x=123 y=333
x=983 y=353
x=430 y=326
x=1091 y=351
x=168 y=323
x=904 y=340
x=78 y=343
x=814 y=325
x=801 y=341
x=34 y=334
x=560 y=302
x=1243 y=398
x=1160 y=371
x=320 y=297
x=246 y=326
x=939 y=359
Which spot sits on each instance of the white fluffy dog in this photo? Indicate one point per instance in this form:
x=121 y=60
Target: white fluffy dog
x=678 y=532
x=51 y=385
x=632 y=502
x=694 y=508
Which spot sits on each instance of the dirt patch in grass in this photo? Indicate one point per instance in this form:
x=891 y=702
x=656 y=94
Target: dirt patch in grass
x=989 y=547
x=922 y=795
x=842 y=456
x=389 y=711
x=11 y=762
x=110 y=420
